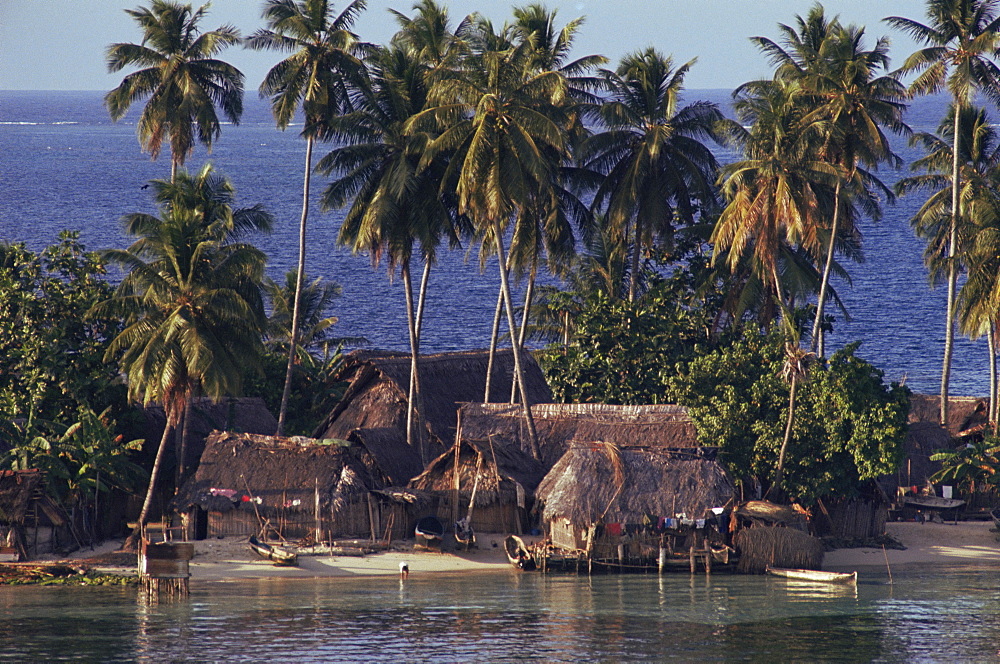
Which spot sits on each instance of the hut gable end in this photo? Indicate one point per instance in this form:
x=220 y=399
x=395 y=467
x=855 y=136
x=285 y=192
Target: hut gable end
x=604 y=483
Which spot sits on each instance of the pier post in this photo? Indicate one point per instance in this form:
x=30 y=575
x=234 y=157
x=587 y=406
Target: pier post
x=661 y=562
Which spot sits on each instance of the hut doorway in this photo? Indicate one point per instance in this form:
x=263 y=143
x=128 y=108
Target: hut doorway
x=197 y=523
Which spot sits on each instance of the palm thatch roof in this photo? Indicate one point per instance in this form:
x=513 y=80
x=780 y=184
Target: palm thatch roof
x=379 y=387
x=271 y=474
x=504 y=473
x=561 y=425
x=604 y=482
x=766 y=513
x=20 y=490
x=963 y=412
x=391 y=458
x=240 y=414
x=922 y=440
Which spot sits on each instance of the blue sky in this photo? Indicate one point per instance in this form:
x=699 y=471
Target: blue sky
x=59 y=44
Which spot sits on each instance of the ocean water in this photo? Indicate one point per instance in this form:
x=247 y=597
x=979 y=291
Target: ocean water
x=65 y=165
x=927 y=615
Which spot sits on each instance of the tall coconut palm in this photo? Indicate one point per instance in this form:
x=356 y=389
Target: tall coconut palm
x=179 y=76
x=658 y=171
x=979 y=207
x=544 y=228
x=316 y=78
x=394 y=205
x=961 y=38
x=504 y=128
x=191 y=300
x=776 y=195
x=843 y=83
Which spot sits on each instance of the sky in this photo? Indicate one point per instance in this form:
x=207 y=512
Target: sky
x=60 y=44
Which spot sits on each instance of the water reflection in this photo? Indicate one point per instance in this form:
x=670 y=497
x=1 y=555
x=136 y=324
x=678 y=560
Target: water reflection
x=929 y=615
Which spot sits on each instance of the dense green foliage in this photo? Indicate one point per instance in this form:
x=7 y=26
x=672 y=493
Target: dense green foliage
x=51 y=353
x=849 y=426
x=627 y=352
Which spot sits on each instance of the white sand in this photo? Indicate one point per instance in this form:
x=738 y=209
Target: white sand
x=967 y=543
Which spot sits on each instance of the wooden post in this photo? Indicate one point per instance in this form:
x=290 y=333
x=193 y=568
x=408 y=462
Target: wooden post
x=371 y=519
x=455 y=484
x=621 y=557
x=319 y=518
x=662 y=560
x=691 y=559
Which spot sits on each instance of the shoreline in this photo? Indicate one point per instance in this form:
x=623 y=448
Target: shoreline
x=966 y=544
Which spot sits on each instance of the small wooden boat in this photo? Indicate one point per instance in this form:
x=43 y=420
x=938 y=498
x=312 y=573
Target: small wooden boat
x=279 y=555
x=429 y=531
x=517 y=553
x=933 y=502
x=465 y=536
x=814 y=576
x=995 y=513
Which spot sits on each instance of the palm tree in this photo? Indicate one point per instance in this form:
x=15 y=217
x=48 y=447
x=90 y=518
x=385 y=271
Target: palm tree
x=841 y=82
x=658 y=171
x=317 y=78
x=191 y=300
x=961 y=37
x=976 y=246
x=315 y=300
x=777 y=194
x=394 y=204
x=504 y=127
x=181 y=78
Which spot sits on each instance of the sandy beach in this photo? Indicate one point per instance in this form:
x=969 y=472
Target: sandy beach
x=965 y=543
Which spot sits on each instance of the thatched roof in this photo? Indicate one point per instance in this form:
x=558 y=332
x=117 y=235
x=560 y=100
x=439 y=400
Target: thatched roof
x=379 y=387
x=501 y=470
x=963 y=412
x=599 y=482
x=277 y=471
x=765 y=512
x=396 y=461
x=22 y=489
x=240 y=414
x=922 y=440
x=561 y=425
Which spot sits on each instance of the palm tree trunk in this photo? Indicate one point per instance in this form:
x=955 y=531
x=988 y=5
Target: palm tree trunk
x=293 y=339
x=949 y=332
x=494 y=335
x=992 y=343
x=635 y=261
x=132 y=543
x=518 y=370
x=788 y=432
x=524 y=328
x=415 y=366
x=411 y=324
x=817 y=344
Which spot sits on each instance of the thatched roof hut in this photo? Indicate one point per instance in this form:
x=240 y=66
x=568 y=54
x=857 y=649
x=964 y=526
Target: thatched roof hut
x=502 y=478
x=240 y=414
x=245 y=480
x=599 y=482
x=391 y=459
x=24 y=506
x=379 y=387
x=963 y=412
x=559 y=426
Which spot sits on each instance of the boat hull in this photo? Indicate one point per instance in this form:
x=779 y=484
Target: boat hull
x=280 y=556
x=518 y=554
x=814 y=576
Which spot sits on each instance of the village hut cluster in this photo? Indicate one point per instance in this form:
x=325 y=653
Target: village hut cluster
x=606 y=487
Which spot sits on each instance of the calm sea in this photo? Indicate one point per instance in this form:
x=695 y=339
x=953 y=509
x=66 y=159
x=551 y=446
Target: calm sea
x=65 y=165
x=927 y=615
